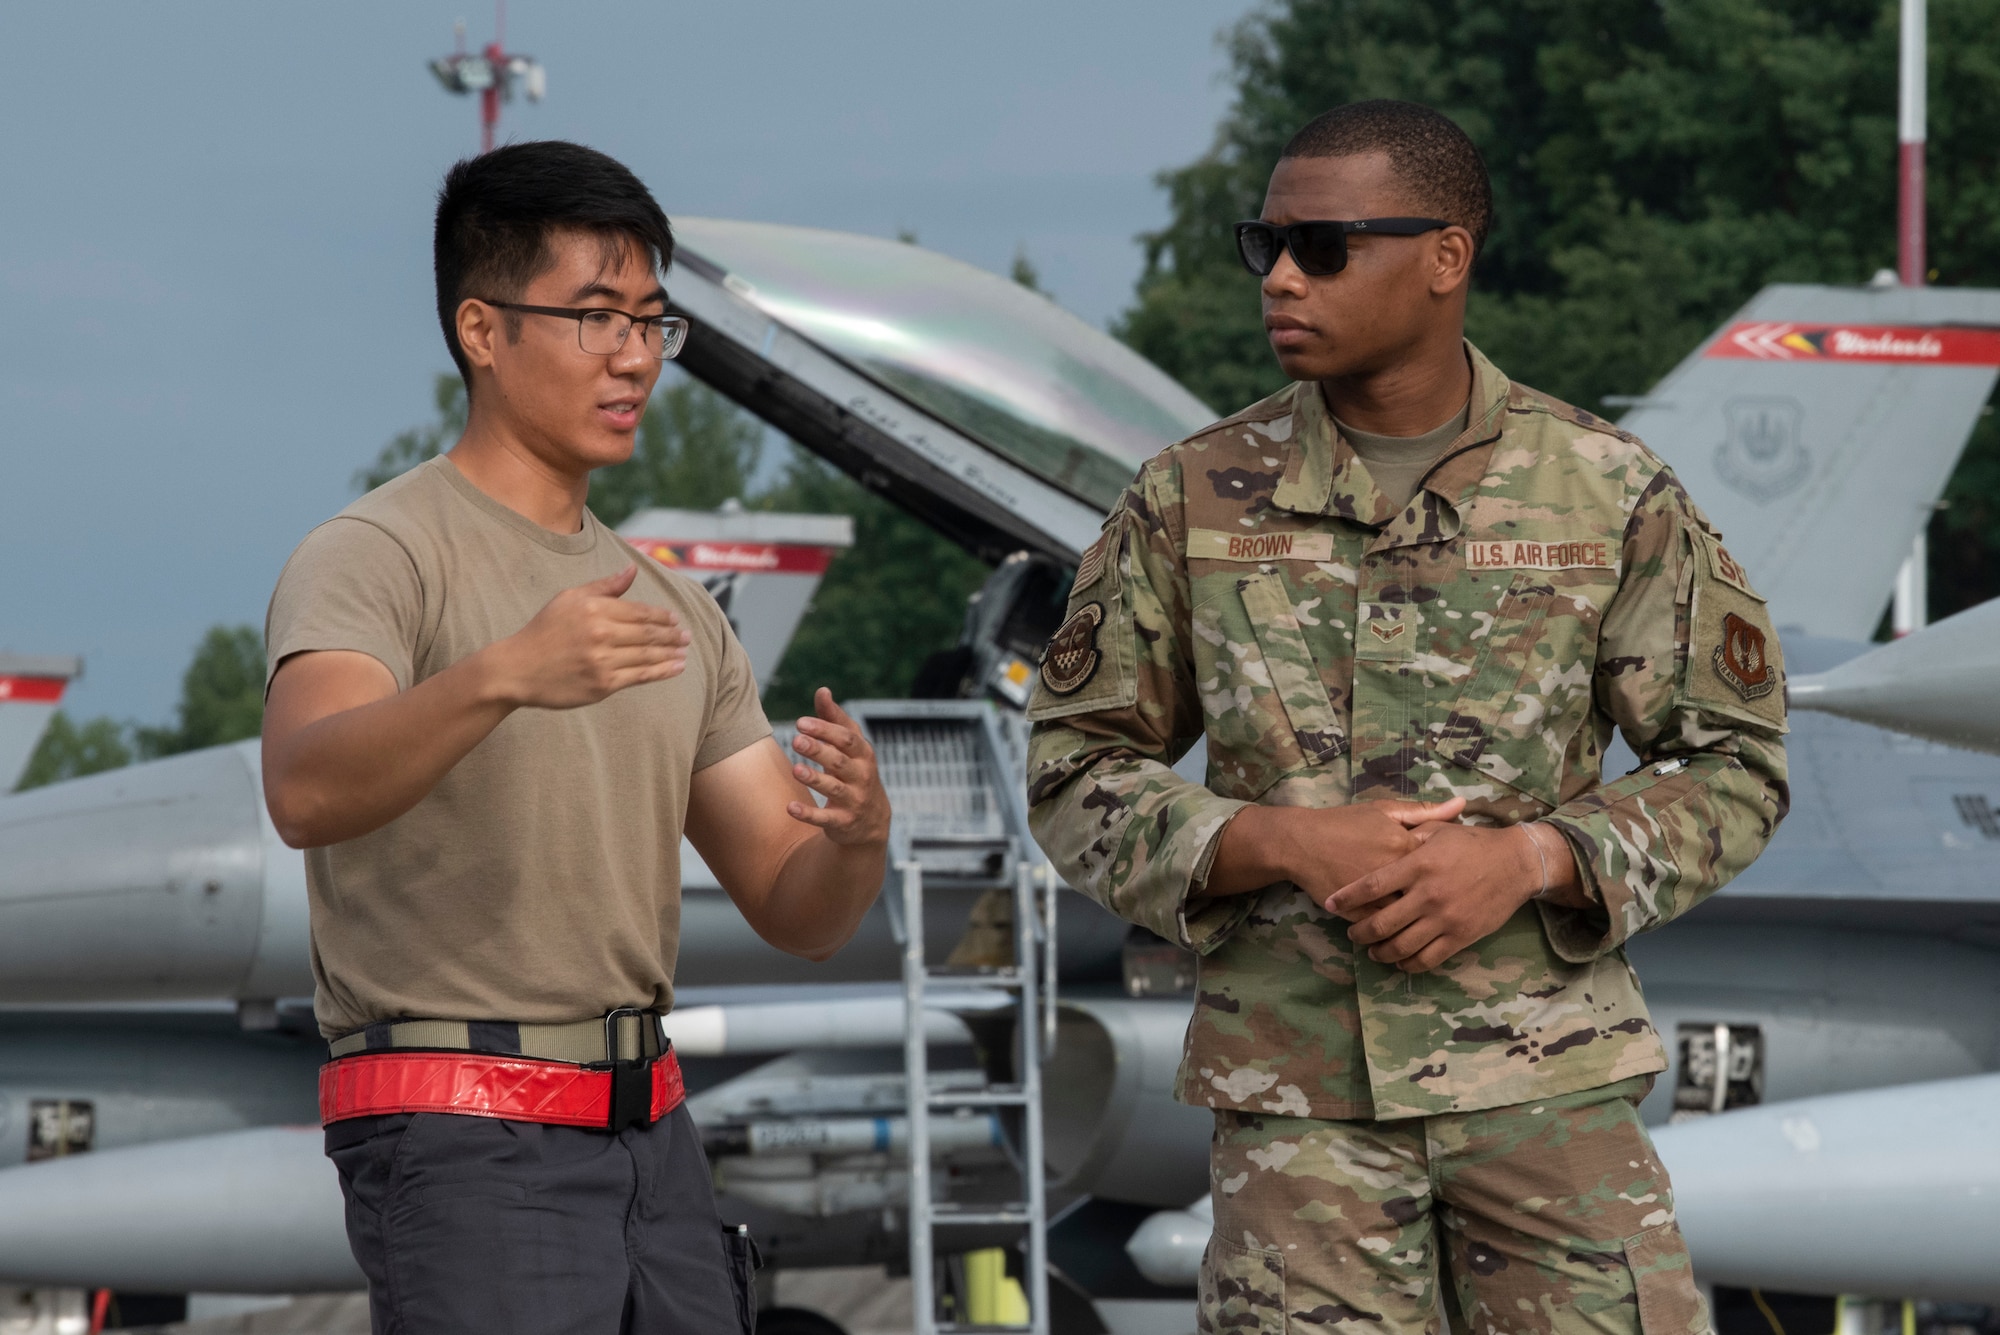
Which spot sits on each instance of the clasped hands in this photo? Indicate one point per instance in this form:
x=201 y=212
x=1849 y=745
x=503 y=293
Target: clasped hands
x=1416 y=886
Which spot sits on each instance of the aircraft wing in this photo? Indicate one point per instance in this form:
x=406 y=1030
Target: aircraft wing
x=979 y=406
x=1818 y=427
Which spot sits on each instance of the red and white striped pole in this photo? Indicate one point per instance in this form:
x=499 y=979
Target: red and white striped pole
x=1910 y=263
x=1908 y=608
x=496 y=57
x=489 y=105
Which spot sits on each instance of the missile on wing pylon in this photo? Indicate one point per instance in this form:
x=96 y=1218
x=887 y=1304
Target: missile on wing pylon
x=1893 y=1191
x=1938 y=683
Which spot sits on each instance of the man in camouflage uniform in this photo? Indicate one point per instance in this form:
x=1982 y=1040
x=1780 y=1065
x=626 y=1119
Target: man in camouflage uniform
x=1415 y=1023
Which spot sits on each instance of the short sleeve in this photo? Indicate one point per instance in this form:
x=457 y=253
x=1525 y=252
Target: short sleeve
x=736 y=719
x=348 y=586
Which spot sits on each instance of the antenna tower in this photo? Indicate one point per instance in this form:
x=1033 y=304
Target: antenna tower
x=494 y=73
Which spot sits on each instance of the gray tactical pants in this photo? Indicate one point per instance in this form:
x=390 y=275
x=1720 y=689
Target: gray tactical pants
x=478 y=1226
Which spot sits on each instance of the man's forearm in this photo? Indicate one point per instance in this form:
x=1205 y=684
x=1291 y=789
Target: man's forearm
x=1255 y=851
x=1562 y=881
x=353 y=772
x=821 y=892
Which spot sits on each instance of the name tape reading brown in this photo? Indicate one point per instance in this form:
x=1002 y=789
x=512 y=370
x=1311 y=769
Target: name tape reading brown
x=1219 y=546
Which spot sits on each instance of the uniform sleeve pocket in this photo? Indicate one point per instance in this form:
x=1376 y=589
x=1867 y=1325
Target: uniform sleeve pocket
x=1663 y=1279
x=1735 y=667
x=1242 y=1291
x=1091 y=662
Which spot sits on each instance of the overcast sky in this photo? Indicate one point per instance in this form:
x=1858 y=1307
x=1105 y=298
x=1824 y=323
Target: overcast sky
x=215 y=292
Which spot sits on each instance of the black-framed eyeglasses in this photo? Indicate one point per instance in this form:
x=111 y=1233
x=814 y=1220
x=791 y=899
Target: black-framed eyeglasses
x=601 y=331
x=1318 y=248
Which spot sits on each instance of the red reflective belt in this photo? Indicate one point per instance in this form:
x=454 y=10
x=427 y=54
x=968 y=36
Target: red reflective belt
x=480 y=1084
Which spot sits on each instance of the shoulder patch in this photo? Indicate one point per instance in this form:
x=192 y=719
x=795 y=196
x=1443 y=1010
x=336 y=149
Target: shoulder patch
x=1735 y=667
x=1743 y=659
x=1072 y=657
x=1728 y=571
x=1096 y=557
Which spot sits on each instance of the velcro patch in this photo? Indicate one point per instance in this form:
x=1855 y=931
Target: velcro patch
x=1728 y=571
x=1735 y=666
x=1743 y=659
x=1521 y=554
x=1217 y=545
x=1071 y=659
x=1096 y=558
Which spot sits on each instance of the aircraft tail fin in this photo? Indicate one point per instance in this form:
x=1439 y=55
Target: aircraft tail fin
x=762 y=567
x=1818 y=427
x=31 y=686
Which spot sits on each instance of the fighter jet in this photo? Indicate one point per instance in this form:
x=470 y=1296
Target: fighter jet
x=1853 y=956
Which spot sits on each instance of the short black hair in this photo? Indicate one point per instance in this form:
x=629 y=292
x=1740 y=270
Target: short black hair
x=495 y=213
x=1427 y=151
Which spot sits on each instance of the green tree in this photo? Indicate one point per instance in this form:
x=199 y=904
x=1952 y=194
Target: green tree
x=70 y=750
x=1654 y=163
x=412 y=447
x=885 y=604
x=1024 y=272
x=222 y=695
x=695 y=450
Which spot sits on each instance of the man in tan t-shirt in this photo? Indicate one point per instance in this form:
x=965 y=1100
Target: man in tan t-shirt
x=489 y=724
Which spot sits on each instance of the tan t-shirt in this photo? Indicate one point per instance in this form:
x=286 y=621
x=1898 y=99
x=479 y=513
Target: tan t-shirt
x=1397 y=464
x=540 y=880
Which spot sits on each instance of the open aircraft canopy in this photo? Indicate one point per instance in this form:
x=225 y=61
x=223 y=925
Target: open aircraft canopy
x=982 y=406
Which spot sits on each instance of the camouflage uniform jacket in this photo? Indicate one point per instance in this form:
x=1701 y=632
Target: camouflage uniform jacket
x=1550 y=580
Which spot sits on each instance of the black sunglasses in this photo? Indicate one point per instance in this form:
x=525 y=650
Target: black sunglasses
x=1318 y=248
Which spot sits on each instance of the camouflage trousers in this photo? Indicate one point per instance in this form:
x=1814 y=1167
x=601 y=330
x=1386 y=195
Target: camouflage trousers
x=1538 y=1219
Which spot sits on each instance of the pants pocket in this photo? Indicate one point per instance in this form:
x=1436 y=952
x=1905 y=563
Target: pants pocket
x=1663 y=1278
x=1242 y=1290
x=745 y=1261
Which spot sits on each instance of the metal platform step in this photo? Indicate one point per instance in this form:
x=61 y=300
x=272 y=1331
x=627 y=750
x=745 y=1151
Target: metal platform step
x=961 y=821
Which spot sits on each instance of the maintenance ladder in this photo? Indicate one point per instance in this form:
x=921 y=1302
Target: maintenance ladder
x=955 y=783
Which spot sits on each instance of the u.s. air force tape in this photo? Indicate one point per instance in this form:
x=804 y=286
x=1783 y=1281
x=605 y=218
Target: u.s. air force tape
x=1072 y=659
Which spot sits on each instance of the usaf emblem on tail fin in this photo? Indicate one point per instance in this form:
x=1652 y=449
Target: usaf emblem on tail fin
x=1763 y=457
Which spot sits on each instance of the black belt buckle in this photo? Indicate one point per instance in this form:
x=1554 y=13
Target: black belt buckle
x=631 y=1082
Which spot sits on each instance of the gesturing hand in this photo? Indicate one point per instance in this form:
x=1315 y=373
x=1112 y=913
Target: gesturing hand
x=588 y=643
x=857 y=807
x=1457 y=888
